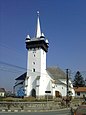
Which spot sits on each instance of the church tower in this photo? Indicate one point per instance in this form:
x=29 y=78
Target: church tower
x=37 y=48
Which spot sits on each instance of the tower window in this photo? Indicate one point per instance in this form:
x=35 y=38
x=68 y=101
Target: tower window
x=78 y=93
x=34 y=55
x=33 y=63
x=33 y=69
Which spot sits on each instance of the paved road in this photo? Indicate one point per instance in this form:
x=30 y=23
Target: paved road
x=63 y=112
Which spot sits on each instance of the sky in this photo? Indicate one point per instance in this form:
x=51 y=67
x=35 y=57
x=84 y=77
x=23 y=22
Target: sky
x=63 y=23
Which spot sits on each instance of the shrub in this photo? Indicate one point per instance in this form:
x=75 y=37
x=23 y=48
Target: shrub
x=29 y=99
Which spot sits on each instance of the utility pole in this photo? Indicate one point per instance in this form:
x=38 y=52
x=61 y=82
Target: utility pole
x=67 y=80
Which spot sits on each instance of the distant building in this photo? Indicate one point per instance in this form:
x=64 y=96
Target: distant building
x=80 y=91
x=39 y=80
x=2 y=92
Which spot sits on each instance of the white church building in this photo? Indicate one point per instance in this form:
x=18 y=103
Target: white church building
x=39 y=81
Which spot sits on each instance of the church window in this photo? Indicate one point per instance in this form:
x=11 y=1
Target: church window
x=33 y=63
x=34 y=55
x=34 y=51
x=78 y=93
x=33 y=93
x=33 y=69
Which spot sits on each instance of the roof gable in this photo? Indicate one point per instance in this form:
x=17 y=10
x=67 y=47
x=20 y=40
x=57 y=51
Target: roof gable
x=22 y=77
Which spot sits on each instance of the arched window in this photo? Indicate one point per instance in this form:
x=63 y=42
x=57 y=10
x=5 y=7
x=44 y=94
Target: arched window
x=33 y=93
x=33 y=70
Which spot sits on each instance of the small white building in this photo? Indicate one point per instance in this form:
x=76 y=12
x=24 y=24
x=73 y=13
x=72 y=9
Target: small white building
x=39 y=81
x=2 y=92
x=80 y=92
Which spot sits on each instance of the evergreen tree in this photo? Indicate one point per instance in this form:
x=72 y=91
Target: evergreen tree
x=78 y=80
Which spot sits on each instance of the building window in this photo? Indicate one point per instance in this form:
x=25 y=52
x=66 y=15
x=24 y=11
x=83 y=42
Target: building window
x=34 y=51
x=33 y=63
x=33 y=69
x=34 y=55
x=78 y=93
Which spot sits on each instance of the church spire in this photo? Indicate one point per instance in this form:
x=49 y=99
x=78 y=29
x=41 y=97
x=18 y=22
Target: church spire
x=38 y=30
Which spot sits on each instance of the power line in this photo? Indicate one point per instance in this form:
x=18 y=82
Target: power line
x=12 y=65
x=19 y=52
x=6 y=67
x=17 y=69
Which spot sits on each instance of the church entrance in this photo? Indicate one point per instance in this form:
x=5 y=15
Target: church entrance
x=57 y=94
x=33 y=93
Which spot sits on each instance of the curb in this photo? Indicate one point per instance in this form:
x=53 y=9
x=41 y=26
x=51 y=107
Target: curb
x=16 y=110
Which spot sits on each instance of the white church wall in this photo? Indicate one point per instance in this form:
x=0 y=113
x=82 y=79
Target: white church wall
x=36 y=60
x=44 y=84
x=27 y=86
x=43 y=61
x=60 y=88
x=70 y=86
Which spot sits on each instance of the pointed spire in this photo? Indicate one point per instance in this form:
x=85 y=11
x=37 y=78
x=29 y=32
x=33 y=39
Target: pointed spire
x=38 y=31
x=43 y=35
x=28 y=37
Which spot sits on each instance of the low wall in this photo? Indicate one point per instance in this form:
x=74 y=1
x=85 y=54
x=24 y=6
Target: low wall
x=30 y=106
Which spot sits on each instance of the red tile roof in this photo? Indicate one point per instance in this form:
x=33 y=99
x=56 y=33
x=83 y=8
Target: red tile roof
x=80 y=89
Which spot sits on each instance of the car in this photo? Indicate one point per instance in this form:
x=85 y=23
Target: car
x=81 y=110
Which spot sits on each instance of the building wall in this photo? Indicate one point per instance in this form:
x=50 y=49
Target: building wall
x=36 y=65
x=38 y=80
x=36 y=60
x=80 y=94
x=70 y=86
x=45 y=84
x=2 y=94
x=61 y=88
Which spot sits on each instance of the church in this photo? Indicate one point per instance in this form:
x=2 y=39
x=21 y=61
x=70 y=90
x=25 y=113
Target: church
x=39 y=81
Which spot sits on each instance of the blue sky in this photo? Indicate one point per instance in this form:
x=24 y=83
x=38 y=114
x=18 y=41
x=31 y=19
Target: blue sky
x=62 y=21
